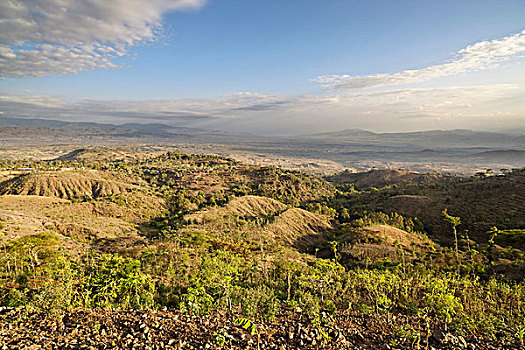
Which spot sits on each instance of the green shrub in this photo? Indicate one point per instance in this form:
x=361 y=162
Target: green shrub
x=197 y=301
x=260 y=302
x=112 y=281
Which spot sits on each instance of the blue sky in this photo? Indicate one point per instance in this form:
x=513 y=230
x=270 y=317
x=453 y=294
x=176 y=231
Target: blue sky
x=276 y=51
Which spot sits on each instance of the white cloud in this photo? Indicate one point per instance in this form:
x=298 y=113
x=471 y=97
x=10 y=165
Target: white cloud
x=476 y=107
x=44 y=37
x=173 y=112
x=479 y=56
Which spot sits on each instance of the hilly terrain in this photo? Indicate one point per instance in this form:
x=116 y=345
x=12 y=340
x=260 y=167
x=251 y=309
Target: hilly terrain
x=66 y=184
x=482 y=201
x=429 y=139
x=446 y=151
x=170 y=249
x=386 y=177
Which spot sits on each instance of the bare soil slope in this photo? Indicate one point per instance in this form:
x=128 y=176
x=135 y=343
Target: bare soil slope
x=67 y=184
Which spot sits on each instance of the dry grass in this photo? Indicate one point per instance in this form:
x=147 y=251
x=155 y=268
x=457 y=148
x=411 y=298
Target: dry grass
x=263 y=220
x=300 y=229
x=416 y=205
x=246 y=206
x=254 y=206
x=383 y=241
x=76 y=224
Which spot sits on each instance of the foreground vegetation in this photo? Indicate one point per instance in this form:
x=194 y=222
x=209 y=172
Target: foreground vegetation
x=219 y=235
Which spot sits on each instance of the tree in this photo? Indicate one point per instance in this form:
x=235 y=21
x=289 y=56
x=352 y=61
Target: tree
x=454 y=221
x=493 y=232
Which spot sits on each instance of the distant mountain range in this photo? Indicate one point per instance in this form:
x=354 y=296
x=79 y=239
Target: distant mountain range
x=429 y=140
x=444 y=139
x=153 y=128
x=355 y=148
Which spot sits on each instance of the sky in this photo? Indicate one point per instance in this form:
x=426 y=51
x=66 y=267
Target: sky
x=267 y=67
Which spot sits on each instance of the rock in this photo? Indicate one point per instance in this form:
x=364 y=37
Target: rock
x=88 y=329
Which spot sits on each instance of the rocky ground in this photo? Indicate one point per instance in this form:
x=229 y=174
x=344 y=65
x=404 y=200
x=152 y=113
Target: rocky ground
x=107 y=329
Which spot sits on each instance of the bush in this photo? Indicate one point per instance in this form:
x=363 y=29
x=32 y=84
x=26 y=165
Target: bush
x=259 y=302
x=111 y=281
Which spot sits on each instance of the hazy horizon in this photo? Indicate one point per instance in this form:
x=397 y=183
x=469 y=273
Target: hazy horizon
x=47 y=122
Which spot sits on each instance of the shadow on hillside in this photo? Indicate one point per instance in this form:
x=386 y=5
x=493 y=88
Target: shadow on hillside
x=314 y=243
x=121 y=245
